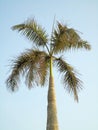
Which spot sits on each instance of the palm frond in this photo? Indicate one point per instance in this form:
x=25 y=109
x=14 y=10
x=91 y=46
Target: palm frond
x=39 y=72
x=71 y=82
x=33 y=65
x=19 y=65
x=59 y=40
x=65 y=38
x=75 y=40
x=33 y=32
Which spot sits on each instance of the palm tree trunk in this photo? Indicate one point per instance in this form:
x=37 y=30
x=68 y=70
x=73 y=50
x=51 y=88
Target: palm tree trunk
x=52 y=123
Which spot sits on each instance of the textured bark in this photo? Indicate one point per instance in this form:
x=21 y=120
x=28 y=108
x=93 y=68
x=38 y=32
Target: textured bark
x=52 y=123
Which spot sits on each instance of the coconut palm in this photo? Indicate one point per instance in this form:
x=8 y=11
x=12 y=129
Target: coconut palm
x=36 y=64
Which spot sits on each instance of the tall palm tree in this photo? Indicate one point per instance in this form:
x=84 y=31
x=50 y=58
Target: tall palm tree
x=36 y=63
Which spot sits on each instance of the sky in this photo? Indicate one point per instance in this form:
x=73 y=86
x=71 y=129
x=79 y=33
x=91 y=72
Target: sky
x=27 y=109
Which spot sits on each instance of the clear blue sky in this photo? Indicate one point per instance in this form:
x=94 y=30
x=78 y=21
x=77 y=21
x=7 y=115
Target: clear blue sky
x=27 y=110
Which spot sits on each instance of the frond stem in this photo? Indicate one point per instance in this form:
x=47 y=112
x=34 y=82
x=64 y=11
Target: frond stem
x=47 y=49
x=51 y=50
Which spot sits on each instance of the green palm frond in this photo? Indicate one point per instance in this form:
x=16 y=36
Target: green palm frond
x=65 y=38
x=59 y=39
x=71 y=82
x=33 y=64
x=33 y=32
x=43 y=69
x=75 y=41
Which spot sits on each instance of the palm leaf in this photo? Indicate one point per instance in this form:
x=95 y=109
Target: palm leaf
x=33 y=64
x=71 y=82
x=75 y=40
x=65 y=38
x=40 y=70
x=33 y=32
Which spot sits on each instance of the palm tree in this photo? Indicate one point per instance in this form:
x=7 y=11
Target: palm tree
x=36 y=63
